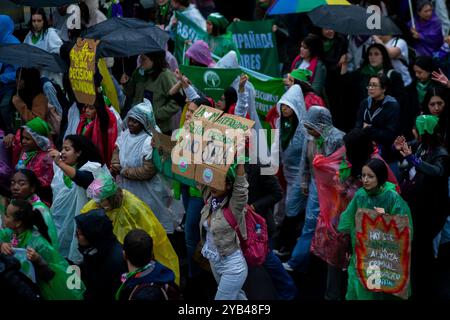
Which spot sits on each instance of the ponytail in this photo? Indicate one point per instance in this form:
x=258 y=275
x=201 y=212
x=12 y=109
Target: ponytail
x=30 y=217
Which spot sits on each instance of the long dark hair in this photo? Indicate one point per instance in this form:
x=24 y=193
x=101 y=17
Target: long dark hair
x=359 y=148
x=102 y=112
x=443 y=129
x=378 y=167
x=315 y=45
x=41 y=12
x=387 y=63
x=32 y=85
x=159 y=63
x=231 y=98
x=89 y=151
x=30 y=217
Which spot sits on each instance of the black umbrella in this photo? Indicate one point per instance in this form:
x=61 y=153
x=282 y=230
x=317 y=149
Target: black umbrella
x=43 y=3
x=124 y=37
x=27 y=56
x=353 y=20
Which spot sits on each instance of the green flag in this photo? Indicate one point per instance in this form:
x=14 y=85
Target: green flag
x=211 y=81
x=257 y=46
x=268 y=93
x=186 y=30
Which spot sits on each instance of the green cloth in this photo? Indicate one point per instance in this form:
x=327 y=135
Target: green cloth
x=102 y=187
x=222 y=44
x=39 y=126
x=218 y=20
x=302 y=75
x=385 y=197
x=426 y=123
x=371 y=71
x=422 y=88
x=45 y=211
x=36 y=37
x=163 y=106
x=58 y=287
x=328 y=45
x=288 y=128
x=28 y=157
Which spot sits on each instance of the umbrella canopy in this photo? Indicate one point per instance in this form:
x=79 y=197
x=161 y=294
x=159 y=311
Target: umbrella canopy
x=27 y=56
x=43 y=3
x=124 y=37
x=352 y=20
x=298 y=6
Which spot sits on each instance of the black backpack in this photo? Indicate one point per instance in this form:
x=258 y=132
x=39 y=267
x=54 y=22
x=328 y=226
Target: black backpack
x=156 y=291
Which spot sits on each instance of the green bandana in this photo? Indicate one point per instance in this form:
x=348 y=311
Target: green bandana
x=218 y=20
x=422 y=88
x=27 y=156
x=67 y=181
x=302 y=75
x=36 y=37
x=39 y=126
x=371 y=71
x=102 y=187
x=164 y=9
x=345 y=169
x=327 y=45
x=426 y=123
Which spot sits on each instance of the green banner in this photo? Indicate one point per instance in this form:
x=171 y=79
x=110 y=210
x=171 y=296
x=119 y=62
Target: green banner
x=268 y=93
x=211 y=81
x=257 y=46
x=186 y=30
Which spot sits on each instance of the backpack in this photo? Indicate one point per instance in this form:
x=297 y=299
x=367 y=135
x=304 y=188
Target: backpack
x=256 y=247
x=170 y=291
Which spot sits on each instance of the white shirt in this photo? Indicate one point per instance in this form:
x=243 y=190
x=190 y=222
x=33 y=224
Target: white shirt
x=398 y=65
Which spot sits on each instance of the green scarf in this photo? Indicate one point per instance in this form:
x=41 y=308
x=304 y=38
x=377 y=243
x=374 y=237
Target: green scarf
x=327 y=45
x=164 y=9
x=288 y=129
x=371 y=71
x=345 y=170
x=24 y=238
x=131 y=275
x=28 y=157
x=35 y=37
x=422 y=88
x=67 y=180
x=85 y=126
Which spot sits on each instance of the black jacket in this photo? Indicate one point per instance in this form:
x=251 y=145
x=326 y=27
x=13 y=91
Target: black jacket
x=264 y=191
x=384 y=122
x=103 y=263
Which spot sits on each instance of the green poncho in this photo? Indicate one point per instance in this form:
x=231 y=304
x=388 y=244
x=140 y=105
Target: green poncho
x=57 y=287
x=393 y=203
x=223 y=44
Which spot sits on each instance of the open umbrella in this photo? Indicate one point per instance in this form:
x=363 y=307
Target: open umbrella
x=352 y=20
x=124 y=37
x=27 y=56
x=43 y=3
x=297 y=6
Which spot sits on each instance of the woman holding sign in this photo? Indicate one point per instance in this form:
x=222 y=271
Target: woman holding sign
x=379 y=195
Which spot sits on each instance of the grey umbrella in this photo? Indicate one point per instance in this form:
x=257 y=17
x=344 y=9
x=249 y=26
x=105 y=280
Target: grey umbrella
x=43 y=3
x=27 y=56
x=124 y=37
x=352 y=20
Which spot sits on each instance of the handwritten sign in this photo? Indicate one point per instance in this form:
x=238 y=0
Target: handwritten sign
x=383 y=252
x=82 y=70
x=207 y=146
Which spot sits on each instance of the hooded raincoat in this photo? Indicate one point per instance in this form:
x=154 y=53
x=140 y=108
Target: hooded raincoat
x=387 y=198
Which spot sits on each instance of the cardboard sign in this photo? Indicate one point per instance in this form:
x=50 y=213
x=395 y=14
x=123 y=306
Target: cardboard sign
x=82 y=70
x=206 y=146
x=163 y=143
x=383 y=252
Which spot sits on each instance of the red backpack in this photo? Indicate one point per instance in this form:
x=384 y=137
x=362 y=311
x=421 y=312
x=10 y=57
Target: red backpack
x=256 y=247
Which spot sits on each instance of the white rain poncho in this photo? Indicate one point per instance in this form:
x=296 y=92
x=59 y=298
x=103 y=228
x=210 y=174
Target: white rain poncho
x=134 y=148
x=67 y=203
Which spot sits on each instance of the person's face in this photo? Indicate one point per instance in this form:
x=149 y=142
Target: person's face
x=305 y=53
x=82 y=241
x=28 y=142
x=146 y=63
x=426 y=12
x=436 y=105
x=328 y=33
x=68 y=153
x=106 y=205
x=37 y=22
x=8 y=218
x=190 y=111
x=286 y=111
x=134 y=126
x=421 y=74
x=289 y=81
x=209 y=27
x=221 y=105
x=374 y=88
x=385 y=38
x=91 y=112
x=375 y=58
x=369 y=179
x=62 y=10
x=175 y=5
x=20 y=187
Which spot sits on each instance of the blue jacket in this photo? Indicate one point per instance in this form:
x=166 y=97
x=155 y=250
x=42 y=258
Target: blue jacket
x=7 y=71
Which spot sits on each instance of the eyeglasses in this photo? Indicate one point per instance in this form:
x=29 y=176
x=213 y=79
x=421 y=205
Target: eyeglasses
x=373 y=85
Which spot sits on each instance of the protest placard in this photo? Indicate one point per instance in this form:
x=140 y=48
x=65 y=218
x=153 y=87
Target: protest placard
x=383 y=251
x=82 y=70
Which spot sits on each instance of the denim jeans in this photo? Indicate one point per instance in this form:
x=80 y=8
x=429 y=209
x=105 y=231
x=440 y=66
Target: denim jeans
x=295 y=200
x=300 y=256
x=282 y=281
x=230 y=273
x=193 y=207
